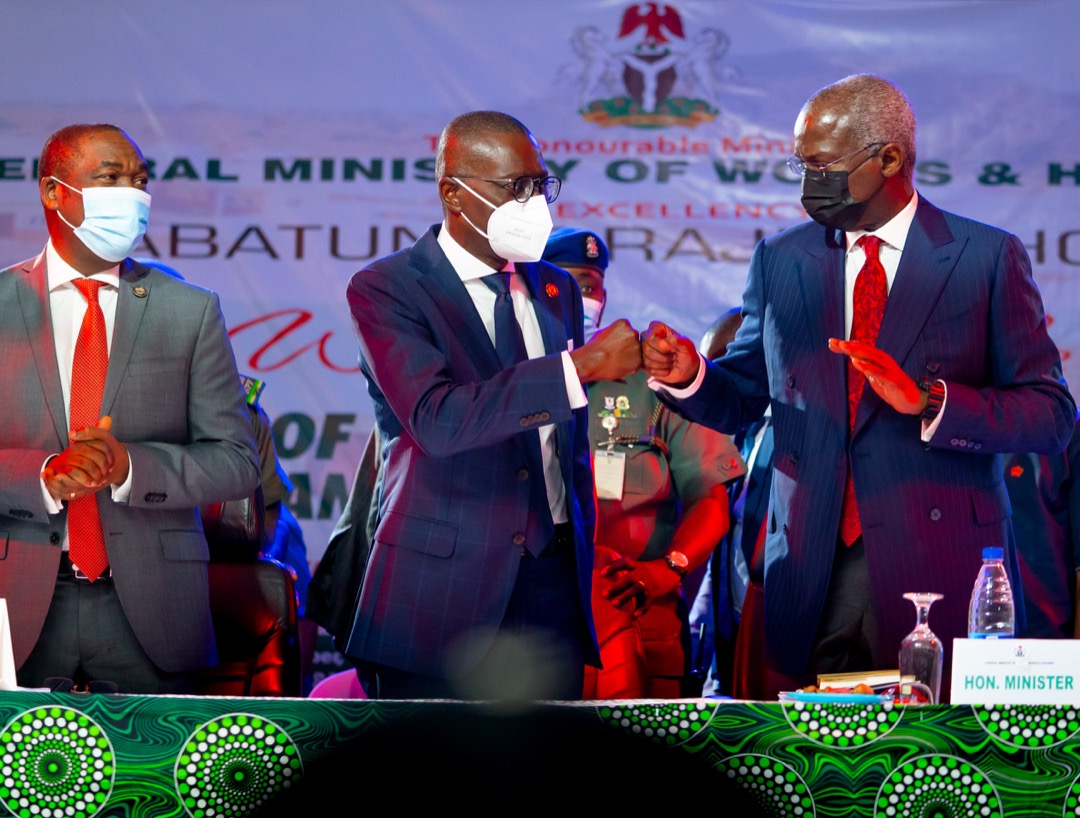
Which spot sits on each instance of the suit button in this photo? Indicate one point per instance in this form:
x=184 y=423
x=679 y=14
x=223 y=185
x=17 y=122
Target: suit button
x=794 y=457
x=544 y=416
x=955 y=441
x=523 y=475
x=978 y=446
x=933 y=367
x=519 y=539
x=54 y=538
x=935 y=514
x=791 y=381
x=523 y=422
x=784 y=528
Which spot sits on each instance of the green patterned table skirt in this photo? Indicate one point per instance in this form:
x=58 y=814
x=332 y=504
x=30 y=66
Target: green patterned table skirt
x=71 y=755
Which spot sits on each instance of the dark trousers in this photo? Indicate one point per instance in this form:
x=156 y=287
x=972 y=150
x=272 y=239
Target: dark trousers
x=844 y=639
x=538 y=652
x=847 y=632
x=86 y=637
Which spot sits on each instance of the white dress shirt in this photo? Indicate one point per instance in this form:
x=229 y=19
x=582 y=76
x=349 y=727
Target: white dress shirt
x=471 y=270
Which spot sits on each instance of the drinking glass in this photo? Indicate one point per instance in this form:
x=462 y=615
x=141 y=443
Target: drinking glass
x=921 y=652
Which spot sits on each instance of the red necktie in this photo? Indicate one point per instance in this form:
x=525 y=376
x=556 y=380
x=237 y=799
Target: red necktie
x=85 y=538
x=868 y=308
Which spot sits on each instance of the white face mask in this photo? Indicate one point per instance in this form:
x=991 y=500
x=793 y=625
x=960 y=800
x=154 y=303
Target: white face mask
x=114 y=219
x=515 y=231
x=593 y=309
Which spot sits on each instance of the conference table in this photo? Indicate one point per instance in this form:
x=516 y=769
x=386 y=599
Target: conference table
x=84 y=755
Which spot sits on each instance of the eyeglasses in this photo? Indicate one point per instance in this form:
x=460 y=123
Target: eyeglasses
x=800 y=167
x=524 y=187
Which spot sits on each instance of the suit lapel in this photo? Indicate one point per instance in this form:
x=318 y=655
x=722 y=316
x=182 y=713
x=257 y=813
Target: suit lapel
x=131 y=301
x=546 y=306
x=33 y=296
x=822 y=284
x=453 y=301
x=929 y=257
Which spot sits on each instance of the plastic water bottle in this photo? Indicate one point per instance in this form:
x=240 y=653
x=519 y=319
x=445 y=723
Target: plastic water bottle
x=991 y=615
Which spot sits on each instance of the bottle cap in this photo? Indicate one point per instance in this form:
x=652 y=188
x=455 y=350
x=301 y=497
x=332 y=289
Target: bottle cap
x=993 y=553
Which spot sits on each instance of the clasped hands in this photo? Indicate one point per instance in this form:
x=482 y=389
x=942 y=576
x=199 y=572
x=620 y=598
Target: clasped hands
x=93 y=460
x=673 y=359
x=638 y=582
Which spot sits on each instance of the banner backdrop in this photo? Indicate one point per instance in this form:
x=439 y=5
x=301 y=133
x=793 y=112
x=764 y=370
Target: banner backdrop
x=291 y=143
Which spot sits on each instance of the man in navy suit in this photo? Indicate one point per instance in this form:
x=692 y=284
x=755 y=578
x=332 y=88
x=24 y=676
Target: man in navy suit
x=961 y=369
x=478 y=580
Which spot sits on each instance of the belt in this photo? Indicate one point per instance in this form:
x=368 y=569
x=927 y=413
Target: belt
x=69 y=569
x=562 y=541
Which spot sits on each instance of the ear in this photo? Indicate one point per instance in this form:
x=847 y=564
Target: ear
x=48 y=188
x=450 y=194
x=892 y=159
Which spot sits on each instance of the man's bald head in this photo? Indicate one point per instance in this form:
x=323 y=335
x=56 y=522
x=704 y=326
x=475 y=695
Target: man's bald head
x=63 y=148
x=721 y=333
x=870 y=109
x=471 y=135
x=479 y=157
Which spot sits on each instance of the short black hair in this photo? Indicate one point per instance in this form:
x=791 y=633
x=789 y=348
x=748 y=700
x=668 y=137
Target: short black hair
x=471 y=126
x=62 y=148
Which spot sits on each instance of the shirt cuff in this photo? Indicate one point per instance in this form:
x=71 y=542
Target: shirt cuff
x=52 y=505
x=575 y=392
x=686 y=391
x=929 y=427
x=121 y=493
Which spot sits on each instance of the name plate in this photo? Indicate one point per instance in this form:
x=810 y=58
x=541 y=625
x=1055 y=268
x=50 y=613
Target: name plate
x=1016 y=671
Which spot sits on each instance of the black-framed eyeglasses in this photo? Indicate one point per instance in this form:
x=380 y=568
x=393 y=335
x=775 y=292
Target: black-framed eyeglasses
x=524 y=187
x=801 y=167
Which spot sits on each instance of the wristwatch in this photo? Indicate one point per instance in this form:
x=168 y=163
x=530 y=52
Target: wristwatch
x=677 y=562
x=935 y=397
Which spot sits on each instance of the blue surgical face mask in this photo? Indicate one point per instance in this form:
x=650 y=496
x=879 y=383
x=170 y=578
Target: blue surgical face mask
x=593 y=309
x=114 y=219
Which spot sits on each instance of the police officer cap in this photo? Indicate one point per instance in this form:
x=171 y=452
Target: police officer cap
x=570 y=247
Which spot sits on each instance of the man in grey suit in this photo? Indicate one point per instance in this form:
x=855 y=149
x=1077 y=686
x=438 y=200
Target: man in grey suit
x=891 y=395
x=103 y=563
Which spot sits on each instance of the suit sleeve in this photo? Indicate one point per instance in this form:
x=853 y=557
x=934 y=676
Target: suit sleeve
x=20 y=485
x=411 y=364
x=735 y=389
x=218 y=461
x=1027 y=406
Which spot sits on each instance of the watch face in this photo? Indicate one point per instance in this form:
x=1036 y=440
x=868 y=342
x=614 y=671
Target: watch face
x=678 y=561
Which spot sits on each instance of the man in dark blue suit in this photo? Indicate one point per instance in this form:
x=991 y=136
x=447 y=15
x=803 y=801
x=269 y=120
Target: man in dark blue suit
x=959 y=366
x=478 y=581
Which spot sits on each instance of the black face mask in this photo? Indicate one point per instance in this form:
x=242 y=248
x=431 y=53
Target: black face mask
x=828 y=201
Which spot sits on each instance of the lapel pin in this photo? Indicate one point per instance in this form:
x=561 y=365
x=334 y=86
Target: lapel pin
x=139 y=290
x=551 y=290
